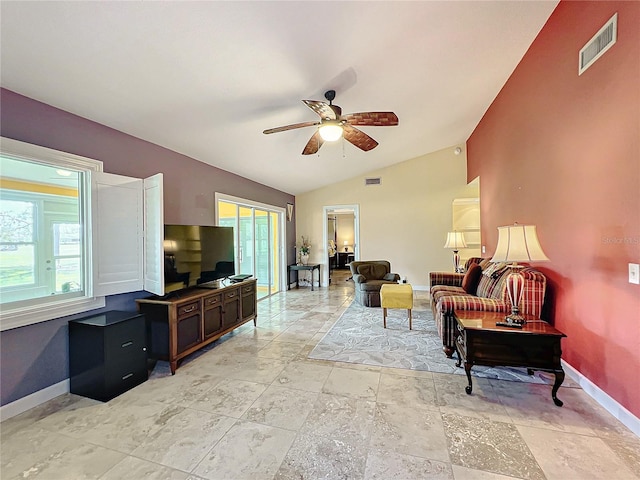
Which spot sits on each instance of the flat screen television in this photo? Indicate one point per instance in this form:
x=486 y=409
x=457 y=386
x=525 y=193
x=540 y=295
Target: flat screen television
x=197 y=255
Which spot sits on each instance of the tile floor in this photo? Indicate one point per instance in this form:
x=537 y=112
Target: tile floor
x=255 y=407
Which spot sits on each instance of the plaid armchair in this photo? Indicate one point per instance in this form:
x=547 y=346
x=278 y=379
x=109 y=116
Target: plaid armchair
x=447 y=295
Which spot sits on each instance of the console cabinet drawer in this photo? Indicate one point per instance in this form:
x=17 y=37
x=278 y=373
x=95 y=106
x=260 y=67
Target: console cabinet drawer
x=188 y=309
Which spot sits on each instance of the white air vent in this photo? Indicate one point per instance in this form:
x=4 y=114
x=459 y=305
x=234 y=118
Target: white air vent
x=599 y=43
x=372 y=181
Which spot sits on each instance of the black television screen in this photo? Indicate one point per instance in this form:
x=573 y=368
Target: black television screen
x=195 y=255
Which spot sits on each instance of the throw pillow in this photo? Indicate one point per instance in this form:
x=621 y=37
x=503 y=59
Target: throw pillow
x=366 y=271
x=379 y=271
x=471 y=279
x=372 y=271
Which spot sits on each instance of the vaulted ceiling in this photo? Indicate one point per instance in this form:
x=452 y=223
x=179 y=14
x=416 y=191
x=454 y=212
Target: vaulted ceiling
x=206 y=78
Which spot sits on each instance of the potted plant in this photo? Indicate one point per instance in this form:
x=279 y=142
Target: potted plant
x=305 y=250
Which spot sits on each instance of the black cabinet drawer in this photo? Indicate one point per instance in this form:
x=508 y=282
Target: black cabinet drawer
x=123 y=377
x=125 y=340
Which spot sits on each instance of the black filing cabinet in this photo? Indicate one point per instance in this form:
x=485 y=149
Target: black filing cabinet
x=107 y=354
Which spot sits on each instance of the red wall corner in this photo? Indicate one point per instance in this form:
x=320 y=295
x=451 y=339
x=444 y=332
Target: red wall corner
x=562 y=151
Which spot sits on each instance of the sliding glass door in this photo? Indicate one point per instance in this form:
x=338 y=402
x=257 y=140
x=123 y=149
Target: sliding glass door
x=257 y=241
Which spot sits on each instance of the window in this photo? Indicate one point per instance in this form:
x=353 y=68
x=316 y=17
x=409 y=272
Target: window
x=45 y=254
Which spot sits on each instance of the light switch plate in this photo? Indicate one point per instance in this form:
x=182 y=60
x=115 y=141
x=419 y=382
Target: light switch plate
x=634 y=273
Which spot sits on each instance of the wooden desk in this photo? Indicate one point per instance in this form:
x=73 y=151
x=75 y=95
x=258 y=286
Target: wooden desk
x=536 y=346
x=297 y=268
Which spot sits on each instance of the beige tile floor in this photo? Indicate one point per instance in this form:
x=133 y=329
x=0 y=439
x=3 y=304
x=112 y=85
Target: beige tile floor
x=255 y=407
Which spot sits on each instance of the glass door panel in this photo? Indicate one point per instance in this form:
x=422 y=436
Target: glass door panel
x=262 y=252
x=246 y=240
x=274 y=250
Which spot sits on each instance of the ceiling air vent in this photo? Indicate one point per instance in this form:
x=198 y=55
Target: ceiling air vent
x=599 y=43
x=372 y=181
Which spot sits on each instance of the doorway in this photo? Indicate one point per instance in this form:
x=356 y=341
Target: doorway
x=342 y=226
x=258 y=242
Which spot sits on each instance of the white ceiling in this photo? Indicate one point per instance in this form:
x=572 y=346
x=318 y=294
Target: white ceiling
x=206 y=78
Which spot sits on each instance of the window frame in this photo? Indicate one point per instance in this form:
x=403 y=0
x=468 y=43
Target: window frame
x=56 y=307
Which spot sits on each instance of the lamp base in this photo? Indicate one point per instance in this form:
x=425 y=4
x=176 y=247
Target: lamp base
x=509 y=324
x=515 y=318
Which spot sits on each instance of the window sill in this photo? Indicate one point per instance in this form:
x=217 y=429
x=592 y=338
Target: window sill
x=21 y=317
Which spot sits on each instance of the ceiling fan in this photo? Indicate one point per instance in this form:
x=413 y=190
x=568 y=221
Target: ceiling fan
x=333 y=125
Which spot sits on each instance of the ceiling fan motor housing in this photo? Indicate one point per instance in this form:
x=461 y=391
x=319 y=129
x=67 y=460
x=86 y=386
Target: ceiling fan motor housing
x=330 y=95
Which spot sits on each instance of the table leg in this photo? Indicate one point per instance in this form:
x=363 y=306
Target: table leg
x=312 y=279
x=467 y=369
x=297 y=278
x=556 y=386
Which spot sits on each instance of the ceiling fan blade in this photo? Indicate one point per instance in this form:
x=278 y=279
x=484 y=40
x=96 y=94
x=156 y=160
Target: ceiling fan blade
x=359 y=138
x=290 y=127
x=313 y=145
x=373 y=119
x=324 y=110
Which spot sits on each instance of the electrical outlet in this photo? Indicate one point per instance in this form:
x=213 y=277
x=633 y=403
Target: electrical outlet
x=634 y=273
x=484 y=249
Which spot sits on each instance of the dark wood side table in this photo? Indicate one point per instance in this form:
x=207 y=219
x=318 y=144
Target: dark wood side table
x=536 y=346
x=297 y=268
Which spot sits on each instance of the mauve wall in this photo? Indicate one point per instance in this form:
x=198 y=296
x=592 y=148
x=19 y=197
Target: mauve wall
x=562 y=151
x=35 y=357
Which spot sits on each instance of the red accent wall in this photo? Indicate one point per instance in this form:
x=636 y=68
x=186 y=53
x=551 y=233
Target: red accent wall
x=562 y=151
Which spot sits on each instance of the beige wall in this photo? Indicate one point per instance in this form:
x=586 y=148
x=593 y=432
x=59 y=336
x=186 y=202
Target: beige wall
x=405 y=220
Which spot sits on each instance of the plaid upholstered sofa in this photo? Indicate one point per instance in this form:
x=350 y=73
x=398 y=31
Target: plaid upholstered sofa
x=490 y=295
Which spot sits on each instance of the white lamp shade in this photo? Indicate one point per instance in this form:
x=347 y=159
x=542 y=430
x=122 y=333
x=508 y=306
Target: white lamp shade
x=330 y=131
x=518 y=243
x=170 y=246
x=455 y=240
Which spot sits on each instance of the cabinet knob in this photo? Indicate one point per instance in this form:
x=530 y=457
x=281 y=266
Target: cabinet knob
x=144 y=349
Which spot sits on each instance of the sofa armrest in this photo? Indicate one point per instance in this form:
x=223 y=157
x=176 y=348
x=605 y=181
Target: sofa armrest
x=447 y=304
x=358 y=278
x=445 y=278
x=391 y=277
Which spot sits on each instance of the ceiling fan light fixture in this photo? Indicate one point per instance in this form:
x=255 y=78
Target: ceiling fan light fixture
x=330 y=131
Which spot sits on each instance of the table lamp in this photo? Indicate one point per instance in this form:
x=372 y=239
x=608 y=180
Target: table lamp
x=517 y=243
x=455 y=241
x=346 y=245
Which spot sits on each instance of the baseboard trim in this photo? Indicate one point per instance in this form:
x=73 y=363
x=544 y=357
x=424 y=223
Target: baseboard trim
x=627 y=418
x=37 y=398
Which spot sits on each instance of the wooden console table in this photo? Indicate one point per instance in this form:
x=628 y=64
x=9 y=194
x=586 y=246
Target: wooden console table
x=536 y=346
x=297 y=268
x=182 y=322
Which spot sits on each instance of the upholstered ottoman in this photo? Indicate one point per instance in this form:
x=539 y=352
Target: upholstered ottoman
x=393 y=295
